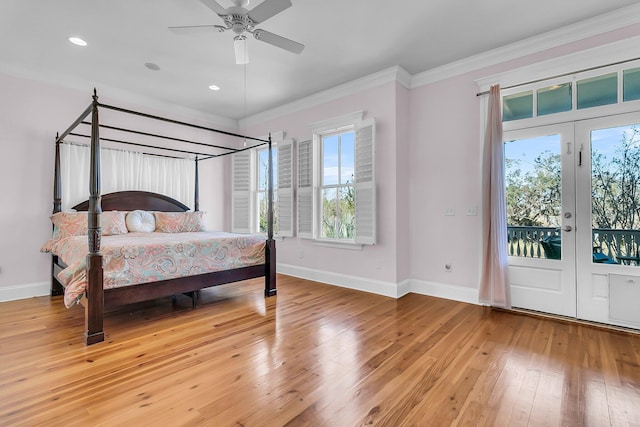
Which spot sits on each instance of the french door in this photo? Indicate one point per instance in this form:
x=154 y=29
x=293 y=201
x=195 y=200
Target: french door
x=573 y=208
x=541 y=201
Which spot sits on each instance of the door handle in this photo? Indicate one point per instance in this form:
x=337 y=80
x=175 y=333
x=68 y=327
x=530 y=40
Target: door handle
x=567 y=228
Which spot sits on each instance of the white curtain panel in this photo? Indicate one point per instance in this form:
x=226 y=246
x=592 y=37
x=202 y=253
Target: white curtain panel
x=124 y=170
x=494 y=282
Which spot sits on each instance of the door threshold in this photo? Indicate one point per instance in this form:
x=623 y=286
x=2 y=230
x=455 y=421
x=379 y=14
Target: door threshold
x=568 y=319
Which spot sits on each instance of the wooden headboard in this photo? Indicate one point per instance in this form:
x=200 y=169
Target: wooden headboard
x=132 y=200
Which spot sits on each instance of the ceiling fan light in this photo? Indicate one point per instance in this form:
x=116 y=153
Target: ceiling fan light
x=240 y=46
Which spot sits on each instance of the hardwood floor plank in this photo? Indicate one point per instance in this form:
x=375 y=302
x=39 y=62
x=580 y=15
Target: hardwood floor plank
x=314 y=355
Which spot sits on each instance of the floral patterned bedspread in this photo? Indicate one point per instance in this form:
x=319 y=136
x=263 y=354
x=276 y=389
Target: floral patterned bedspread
x=134 y=258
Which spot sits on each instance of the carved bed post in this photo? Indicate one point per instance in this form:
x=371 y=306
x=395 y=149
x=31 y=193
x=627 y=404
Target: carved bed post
x=56 y=287
x=94 y=308
x=196 y=196
x=270 y=249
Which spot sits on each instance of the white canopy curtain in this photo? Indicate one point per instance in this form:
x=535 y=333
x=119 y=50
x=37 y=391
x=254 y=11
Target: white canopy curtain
x=125 y=170
x=494 y=282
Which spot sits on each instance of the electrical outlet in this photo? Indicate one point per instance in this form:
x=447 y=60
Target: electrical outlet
x=450 y=211
x=448 y=267
x=472 y=211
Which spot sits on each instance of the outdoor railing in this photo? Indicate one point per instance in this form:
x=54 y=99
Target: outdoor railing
x=620 y=246
x=524 y=241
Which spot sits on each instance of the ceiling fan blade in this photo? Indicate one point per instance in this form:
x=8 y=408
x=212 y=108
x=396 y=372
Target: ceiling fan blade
x=194 y=29
x=267 y=9
x=215 y=6
x=278 y=41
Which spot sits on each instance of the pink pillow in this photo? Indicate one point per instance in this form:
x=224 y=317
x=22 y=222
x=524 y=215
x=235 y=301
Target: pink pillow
x=113 y=222
x=179 y=222
x=67 y=224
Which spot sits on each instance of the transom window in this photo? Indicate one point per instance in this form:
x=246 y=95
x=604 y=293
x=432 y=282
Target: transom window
x=566 y=94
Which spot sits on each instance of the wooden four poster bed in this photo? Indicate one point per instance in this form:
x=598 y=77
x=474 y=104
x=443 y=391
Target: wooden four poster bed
x=95 y=297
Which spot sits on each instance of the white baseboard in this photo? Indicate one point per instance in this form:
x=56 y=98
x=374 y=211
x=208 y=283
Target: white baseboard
x=404 y=288
x=29 y=290
x=389 y=289
x=441 y=290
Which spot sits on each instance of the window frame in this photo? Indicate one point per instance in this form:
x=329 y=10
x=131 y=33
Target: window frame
x=322 y=186
x=245 y=193
x=309 y=221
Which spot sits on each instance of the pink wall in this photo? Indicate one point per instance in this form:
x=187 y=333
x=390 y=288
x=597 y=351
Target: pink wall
x=444 y=165
x=403 y=184
x=30 y=115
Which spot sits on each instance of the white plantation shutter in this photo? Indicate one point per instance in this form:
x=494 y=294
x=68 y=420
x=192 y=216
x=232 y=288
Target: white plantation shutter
x=365 y=184
x=241 y=178
x=285 y=188
x=305 y=190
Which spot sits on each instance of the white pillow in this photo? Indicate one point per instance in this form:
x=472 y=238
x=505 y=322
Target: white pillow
x=141 y=221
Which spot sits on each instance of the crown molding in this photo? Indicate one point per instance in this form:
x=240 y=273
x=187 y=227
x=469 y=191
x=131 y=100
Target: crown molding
x=601 y=24
x=392 y=74
x=602 y=55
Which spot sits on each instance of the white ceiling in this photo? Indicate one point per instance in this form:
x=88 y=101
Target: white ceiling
x=344 y=39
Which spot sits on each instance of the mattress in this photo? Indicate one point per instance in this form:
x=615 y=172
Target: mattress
x=136 y=258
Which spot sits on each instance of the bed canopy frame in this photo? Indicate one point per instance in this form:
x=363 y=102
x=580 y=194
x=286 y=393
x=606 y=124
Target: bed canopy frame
x=98 y=298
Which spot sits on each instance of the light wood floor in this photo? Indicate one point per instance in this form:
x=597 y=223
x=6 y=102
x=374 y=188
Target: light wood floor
x=315 y=355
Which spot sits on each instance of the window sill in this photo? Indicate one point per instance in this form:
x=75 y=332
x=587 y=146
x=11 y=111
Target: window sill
x=352 y=246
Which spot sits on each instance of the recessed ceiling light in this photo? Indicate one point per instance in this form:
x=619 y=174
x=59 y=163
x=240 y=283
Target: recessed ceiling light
x=152 y=66
x=214 y=87
x=77 y=41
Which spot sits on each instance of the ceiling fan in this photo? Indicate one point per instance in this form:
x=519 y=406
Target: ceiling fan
x=242 y=22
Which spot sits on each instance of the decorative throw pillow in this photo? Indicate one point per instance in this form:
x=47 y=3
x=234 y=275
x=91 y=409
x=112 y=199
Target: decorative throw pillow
x=67 y=224
x=112 y=223
x=179 y=222
x=141 y=221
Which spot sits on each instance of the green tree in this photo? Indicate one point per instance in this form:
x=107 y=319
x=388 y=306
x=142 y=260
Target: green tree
x=615 y=189
x=533 y=196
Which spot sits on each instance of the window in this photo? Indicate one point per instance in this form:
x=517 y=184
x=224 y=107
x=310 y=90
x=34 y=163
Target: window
x=336 y=186
x=337 y=201
x=262 y=165
x=250 y=173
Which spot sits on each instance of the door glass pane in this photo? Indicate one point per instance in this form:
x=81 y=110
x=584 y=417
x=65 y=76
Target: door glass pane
x=601 y=90
x=631 y=84
x=532 y=185
x=615 y=189
x=517 y=106
x=554 y=99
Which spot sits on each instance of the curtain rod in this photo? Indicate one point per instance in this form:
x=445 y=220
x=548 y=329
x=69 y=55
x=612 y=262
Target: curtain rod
x=562 y=75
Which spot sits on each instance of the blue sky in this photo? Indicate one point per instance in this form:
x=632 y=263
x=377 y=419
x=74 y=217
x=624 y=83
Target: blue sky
x=330 y=158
